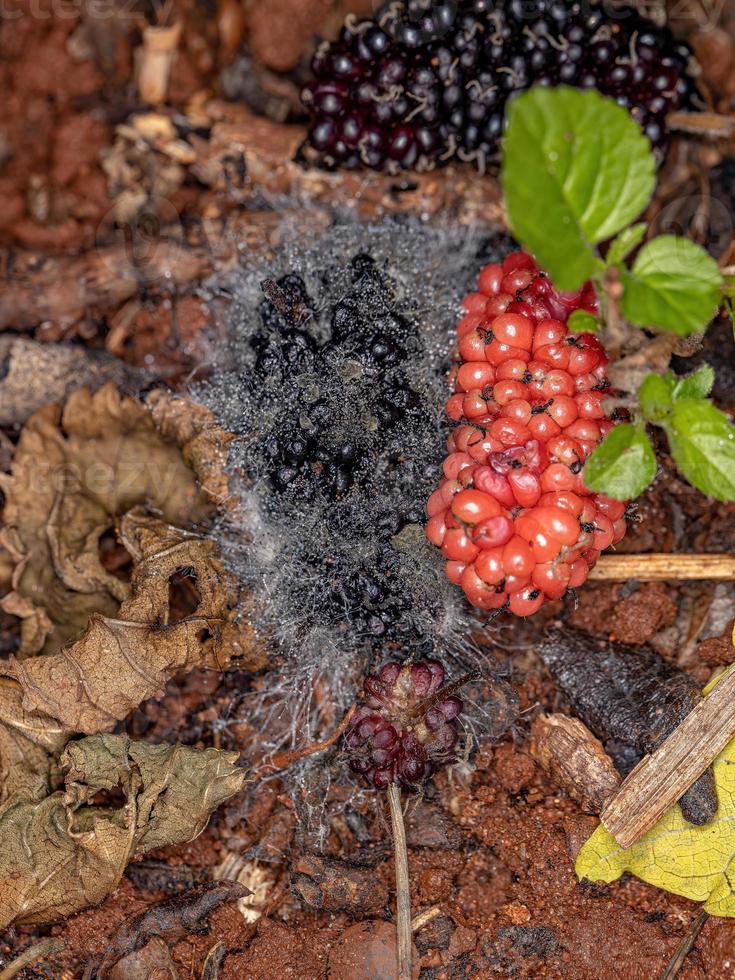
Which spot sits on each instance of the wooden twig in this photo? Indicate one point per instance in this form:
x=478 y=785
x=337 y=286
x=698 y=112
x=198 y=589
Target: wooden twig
x=710 y=125
x=32 y=955
x=654 y=568
x=575 y=760
x=661 y=778
x=685 y=947
x=403 y=888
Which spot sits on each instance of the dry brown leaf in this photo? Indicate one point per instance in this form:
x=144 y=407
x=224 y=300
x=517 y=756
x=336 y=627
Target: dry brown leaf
x=120 y=661
x=204 y=444
x=148 y=471
x=64 y=853
x=29 y=743
x=74 y=475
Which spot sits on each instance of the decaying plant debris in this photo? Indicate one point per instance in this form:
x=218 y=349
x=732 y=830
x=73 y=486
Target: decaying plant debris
x=131 y=229
x=631 y=698
x=66 y=852
x=94 y=645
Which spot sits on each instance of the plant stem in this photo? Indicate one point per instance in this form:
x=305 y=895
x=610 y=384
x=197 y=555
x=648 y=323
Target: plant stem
x=281 y=760
x=403 y=889
x=677 y=960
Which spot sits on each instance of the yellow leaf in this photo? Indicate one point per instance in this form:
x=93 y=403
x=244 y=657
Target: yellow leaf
x=696 y=862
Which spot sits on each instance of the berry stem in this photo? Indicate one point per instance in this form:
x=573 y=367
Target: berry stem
x=403 y=888
x=444 y=692
x=282 y=760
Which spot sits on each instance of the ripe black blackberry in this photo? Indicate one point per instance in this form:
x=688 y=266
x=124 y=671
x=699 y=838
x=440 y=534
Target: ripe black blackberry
x=427 y=81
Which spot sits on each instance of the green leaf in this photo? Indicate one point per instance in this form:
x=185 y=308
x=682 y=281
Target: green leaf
x=702 y=442
x=674 y=285
x=583 y=322
x=623 y=464
x=625 y=243
x=576 y=170
x=696 y=385
x=655 y=396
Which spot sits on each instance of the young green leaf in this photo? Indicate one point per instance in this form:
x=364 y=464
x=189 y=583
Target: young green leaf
x=674 y=285
x=702 y=442
x=583 y=322
x=576 y=170
x=696 y=385
x=625 y=243
x=623 y=464
x=655 y=396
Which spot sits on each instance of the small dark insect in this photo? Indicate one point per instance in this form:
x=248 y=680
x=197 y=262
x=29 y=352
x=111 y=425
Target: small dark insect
x=631 y=698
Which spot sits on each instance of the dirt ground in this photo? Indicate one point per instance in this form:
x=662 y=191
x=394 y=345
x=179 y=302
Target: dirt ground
x=90 y=211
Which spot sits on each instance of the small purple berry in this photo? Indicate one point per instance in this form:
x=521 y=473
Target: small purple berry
x=408 y=727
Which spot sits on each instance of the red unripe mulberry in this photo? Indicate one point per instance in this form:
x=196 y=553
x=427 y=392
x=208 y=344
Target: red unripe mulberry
x=512 y=516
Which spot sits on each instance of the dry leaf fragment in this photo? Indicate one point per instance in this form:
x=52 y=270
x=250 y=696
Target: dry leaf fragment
x=204 y=444
x=74 y=475
x=65 y=852
x=28 y=745
x=171 y=919
x=152 y=962
x=120 y=661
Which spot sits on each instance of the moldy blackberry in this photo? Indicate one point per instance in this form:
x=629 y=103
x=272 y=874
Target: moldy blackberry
x=424 y=82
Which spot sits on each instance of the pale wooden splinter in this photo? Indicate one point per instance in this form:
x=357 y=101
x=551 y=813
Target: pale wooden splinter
x=659 y=780
x=654 y=568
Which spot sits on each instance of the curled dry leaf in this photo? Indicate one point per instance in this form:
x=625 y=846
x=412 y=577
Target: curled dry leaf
x=29 y=743
x=93 y=646
x=203 y=443
x=121 y=660
x=75 y=473
x=68 y=851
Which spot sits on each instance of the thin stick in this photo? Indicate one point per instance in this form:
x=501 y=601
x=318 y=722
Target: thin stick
x=32 y=955
x=677 y=960
x=661 y=778
x=655 y=568
x=403 y=888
